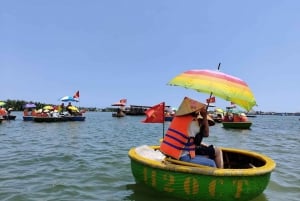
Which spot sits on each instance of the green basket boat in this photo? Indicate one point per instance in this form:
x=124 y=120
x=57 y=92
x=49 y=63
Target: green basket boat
x=246 y=174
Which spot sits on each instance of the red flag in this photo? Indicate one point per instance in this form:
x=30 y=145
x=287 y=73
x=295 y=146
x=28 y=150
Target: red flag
x=155 y=114
x=211 y=100
x=124 y=101
x=76 y=95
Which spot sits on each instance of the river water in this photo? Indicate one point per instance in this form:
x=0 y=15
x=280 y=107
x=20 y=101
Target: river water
x=70 y=161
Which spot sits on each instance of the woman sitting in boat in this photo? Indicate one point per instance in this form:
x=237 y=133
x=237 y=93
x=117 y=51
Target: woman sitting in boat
x=209 y=151
x=179 y=141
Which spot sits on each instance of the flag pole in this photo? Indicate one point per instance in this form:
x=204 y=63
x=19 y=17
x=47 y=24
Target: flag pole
x=164 y=120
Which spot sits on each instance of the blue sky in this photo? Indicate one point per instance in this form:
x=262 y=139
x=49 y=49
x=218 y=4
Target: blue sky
x=109 y=50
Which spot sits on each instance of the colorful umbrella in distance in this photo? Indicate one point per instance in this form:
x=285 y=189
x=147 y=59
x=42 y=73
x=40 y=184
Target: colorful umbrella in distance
x=29 y=105
x=2 y=103
x=68 y=99
x=48 y=107
x=222 y=85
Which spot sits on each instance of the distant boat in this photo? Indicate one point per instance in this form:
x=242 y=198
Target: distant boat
x=235 y=119
x=9 y=117
x=250 y=115
x=75 y=118
x=168 y=118
x=136 y=110
x=29 y=111
x=120 y=110
x=41 y=119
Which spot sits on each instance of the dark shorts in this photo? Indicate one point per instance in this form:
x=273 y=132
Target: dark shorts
x=207 y=151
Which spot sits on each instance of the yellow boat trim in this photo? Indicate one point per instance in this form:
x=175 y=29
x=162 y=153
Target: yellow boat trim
x=185 y=167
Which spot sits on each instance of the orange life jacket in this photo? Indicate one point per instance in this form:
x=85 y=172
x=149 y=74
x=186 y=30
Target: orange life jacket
x=3 y=111
x=33 y=113
x=244 y=118
x=177 y=138
x=236 y=118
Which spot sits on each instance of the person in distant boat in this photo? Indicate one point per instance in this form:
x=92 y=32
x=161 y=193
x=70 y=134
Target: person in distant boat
x=61 y=108
x=179 y=141
x=243 y=117
x=3 y=111
x=9 y=111
x=69 y=106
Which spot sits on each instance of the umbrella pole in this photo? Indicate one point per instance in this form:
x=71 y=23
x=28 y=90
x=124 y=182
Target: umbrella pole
x=211 y=92
x=208 y=101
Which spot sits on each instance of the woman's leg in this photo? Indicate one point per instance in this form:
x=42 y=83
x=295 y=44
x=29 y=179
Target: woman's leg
x=201 y=160
x=219 y=158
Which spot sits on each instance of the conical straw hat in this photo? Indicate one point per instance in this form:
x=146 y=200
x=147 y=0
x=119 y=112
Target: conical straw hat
x=188 y=106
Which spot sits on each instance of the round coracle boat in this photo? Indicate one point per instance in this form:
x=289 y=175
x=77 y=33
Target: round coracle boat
x=246 y=174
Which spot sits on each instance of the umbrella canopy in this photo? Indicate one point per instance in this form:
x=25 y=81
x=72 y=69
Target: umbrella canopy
x=222 y=85
x=48 y=107
x=68 y=99
x=29 y=105
x=73 y=108
x=2 y=103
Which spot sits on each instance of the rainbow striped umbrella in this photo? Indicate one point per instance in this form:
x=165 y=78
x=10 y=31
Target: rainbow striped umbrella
x=219 y=84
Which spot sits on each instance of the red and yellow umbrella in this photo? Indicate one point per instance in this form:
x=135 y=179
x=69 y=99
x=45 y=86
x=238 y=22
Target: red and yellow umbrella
x=219 y=84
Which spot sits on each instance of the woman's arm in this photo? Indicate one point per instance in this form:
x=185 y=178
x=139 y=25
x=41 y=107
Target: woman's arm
x=204 y=123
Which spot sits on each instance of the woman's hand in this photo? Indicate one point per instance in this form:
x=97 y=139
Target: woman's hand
x=203 y=113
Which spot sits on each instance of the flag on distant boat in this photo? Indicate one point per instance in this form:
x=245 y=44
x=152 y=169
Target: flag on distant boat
x=211 y=100
x=76 y=95
x=155 y=114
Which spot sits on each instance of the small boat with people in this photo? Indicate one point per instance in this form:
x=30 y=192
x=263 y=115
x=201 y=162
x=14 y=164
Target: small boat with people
x=29 y=111
x=54 y=116
x=58 y=114
x=120 y=111
x=235 y=119
x=6 y=114
x=245 y=175
x=239 y=174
